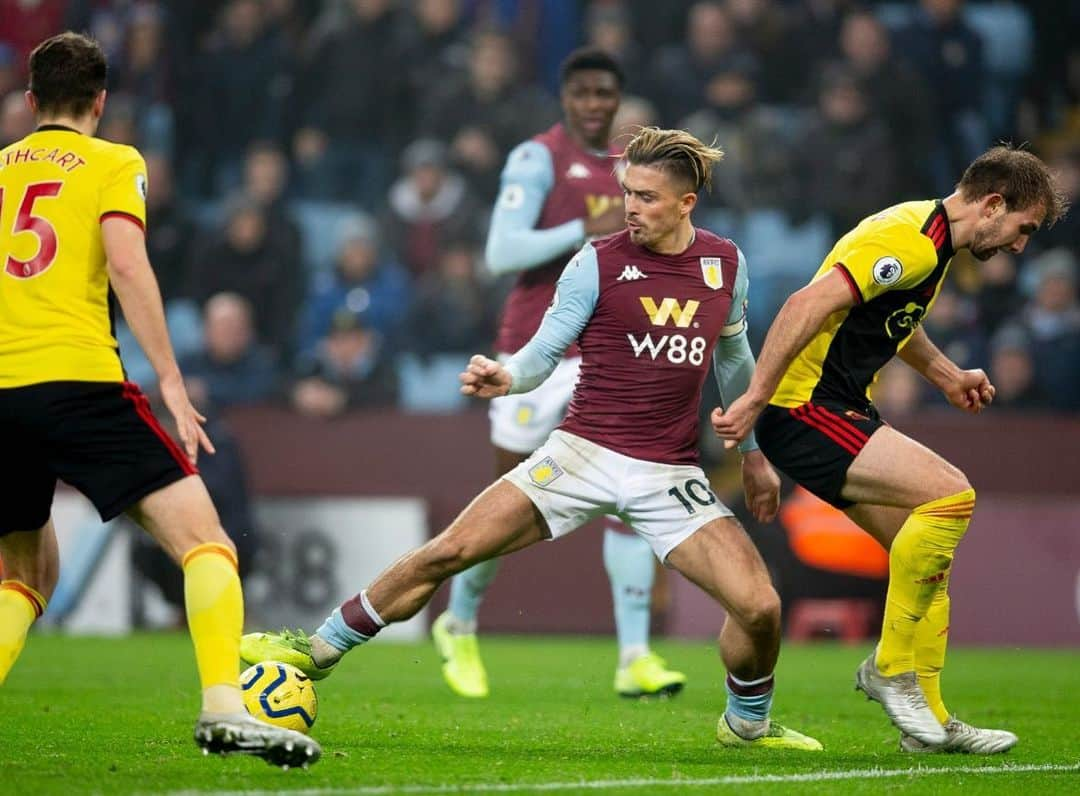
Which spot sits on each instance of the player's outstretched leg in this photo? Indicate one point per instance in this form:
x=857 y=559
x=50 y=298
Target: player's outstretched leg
x=631 y=568
x=720 y=558
x=454 y=632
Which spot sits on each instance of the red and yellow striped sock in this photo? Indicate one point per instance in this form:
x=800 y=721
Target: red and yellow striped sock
x=919 y=562
x=20 y=605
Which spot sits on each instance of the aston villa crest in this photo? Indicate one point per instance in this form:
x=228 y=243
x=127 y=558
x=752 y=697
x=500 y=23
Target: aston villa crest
x=712 y=272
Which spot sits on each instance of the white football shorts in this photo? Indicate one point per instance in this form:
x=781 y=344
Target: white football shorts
x=521 y=423
x=572 y=480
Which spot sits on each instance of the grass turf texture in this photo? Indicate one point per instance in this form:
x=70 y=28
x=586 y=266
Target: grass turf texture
x=115 y=716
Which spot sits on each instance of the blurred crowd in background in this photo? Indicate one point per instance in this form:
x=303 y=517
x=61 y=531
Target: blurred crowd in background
x=321 y=172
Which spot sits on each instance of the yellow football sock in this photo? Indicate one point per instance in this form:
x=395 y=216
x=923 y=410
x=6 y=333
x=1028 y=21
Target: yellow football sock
x=919 y=562
x=931 y=638
x=215 y=614
x=20 y=605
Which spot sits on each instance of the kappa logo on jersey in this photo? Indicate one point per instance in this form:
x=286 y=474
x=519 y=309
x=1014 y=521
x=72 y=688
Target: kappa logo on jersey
x=630 y=273
x=512 y=196
x=712 y=272
x=545 y=471
x=905 y=320
x=887 y=271
x=140 y=185
x=578 y=171
x=681 y=314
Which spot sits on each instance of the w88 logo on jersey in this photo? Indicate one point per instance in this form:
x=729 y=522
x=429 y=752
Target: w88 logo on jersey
x=676 y=348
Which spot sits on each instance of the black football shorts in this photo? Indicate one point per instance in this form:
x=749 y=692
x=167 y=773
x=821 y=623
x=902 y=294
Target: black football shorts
x=99 y=437
x=815 y=444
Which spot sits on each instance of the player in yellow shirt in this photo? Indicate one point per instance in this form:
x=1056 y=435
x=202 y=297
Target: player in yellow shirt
x=815 y=421
x=72 y=243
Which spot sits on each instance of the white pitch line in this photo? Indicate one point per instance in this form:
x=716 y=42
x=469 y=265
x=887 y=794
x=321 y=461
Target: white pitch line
x=607 y=784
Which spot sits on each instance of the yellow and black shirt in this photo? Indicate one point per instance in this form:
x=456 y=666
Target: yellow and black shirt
x=895 y=263
x=56 y=187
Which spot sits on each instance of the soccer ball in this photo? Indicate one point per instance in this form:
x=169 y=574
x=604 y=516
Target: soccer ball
x=280 y=694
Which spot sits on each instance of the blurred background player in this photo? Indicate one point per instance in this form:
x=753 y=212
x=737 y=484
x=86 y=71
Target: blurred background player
x=558 y=190
x=628 y=444
x=865 y=305
x=73 y=224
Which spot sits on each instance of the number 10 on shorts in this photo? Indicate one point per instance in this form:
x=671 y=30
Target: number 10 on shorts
x=693 y=491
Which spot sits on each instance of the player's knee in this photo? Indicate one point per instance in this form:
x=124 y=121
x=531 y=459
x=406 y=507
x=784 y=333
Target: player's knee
x=952 y=481
x=760 y=616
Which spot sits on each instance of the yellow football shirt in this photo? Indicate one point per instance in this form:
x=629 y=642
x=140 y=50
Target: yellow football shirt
x=56 y=186
x=894 y=263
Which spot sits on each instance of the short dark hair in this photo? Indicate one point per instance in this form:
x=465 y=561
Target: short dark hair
x=1021 y=178
x=67 y=72
x=587 y=58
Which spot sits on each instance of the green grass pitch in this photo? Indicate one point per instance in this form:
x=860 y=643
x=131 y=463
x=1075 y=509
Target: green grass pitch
x=115 y=717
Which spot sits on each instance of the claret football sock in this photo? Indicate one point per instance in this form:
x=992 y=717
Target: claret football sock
x=354 y=623
x=466 y=592
x=215 y=612
x=20 y=605
x=919 y=564
x=631 y=568
x=748 y=705
x=931 y=639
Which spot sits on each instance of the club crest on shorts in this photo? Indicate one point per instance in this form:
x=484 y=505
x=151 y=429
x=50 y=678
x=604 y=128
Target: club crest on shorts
x=545 y=471
x=712 y=272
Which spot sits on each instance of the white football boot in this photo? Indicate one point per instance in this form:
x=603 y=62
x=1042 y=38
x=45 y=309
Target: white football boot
x=963 y=738
x=903 y=701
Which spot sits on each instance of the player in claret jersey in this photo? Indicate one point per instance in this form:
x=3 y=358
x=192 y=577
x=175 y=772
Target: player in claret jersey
x=648 y=306
x=558 y=190
x=72 y=220
x=815 y=421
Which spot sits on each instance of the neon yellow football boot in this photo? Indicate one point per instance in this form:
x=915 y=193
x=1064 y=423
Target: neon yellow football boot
x=462 y=668
x=648 y=675
x=287 y=647
x=777 y=737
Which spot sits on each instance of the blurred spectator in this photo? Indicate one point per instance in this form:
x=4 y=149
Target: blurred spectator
x=609 y=28
x=170 y=229
x=897 y=95
x=243 y=259
x=16 y=118
x=683 y=73
x=1066 y=232
x=437 y=46
x=454 y=310
x=10 y=71
x=26 y=23
x=241 y=86
x=999 y=296
x=949 y=54
x=486 y=111
x=142 y=71
x=428 y=205
x=354 y=104
x=633 y=114
x=266 y=176
x=953 y=326
x=1012 y=371
x=1053 y=320
x=119 y=123
x=847 y=163
x=759 y=168
x=898 y=390
x=763 y=26
x=349 y=369
x=233 y=367
x=364 y=283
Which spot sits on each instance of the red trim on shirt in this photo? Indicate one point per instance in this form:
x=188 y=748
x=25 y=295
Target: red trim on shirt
x=121 y=214
x=851 y=283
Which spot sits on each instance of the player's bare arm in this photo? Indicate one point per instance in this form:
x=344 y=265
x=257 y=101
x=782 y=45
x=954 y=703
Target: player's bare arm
x=761 y=486
x=801 y=317
x=133 y=280
x=485 y=378
x=969 y=390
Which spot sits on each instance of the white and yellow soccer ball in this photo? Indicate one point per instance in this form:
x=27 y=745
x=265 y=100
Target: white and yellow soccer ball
x=280 y=694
